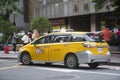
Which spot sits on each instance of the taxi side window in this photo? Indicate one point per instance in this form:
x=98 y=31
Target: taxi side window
x=44 y=40
x=58 y=39
x=61 y=38
x=78 y=38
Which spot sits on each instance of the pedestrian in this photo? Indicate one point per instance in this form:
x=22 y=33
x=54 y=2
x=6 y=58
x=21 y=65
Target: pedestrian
x=30 y=35
x=35 y=34
x=106 y=34
x=25 y=39
x=13 y=39
x=118 y=39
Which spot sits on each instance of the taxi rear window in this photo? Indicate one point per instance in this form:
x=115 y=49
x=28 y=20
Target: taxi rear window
x=78 y=38
x=95 y=37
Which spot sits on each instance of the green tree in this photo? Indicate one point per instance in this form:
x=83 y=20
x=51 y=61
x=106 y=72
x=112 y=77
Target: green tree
x=7 y=7
x=108 y=3
x=6 y=28
x=42 y=24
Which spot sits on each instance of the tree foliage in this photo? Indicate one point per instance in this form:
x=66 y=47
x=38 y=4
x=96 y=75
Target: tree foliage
x=109 y=3
x=42 y=24
x=6 y=28
x=7 y=7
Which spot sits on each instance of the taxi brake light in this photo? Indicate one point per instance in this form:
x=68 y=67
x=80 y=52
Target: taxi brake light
x=88 y=45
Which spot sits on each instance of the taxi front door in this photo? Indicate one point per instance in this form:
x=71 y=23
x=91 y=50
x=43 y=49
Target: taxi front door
x=41 y=52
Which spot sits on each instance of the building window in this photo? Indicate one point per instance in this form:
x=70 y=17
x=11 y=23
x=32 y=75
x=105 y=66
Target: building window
x=86 y=7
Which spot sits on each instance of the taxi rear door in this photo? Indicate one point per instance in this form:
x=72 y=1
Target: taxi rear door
x=59 y=48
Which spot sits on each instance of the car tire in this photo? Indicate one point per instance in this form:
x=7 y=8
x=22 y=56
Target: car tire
x=71 y=61
x=93 y=65
x=26 y=59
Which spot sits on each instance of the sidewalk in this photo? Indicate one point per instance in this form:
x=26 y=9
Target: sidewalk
x=115 y=58
x=8 y=56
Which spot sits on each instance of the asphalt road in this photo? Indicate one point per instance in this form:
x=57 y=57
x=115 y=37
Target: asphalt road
x=12 y=70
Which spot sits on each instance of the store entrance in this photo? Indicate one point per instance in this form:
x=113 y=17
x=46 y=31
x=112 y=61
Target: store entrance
x=80 y=23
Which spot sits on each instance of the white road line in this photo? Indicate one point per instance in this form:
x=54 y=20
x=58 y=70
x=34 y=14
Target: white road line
x=102 y=73
x=5 y=68
x=53 y=69
x=111 y=67
x=81 y=71
x=3 y=60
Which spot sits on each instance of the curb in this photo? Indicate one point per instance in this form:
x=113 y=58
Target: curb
x=8 y=57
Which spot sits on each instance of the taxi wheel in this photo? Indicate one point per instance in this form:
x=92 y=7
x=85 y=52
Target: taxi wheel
x=26 y=59
x=93 y=65
x=71 y=61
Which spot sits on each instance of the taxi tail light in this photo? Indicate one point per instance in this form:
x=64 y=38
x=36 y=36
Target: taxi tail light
x=87 y=45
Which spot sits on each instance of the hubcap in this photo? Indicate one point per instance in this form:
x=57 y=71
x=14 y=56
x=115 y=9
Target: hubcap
x=26 y=59
x=71 y=61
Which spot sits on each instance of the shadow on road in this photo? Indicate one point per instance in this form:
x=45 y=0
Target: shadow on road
x=64 y=67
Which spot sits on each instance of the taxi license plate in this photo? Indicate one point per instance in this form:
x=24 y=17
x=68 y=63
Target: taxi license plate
x=100 y=49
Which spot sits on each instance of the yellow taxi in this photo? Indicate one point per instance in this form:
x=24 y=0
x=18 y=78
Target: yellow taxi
x=70 y=48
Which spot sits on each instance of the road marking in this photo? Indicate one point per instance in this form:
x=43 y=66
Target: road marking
x=115 y=68
x=81 y=71
x=4 y=68
x=102 y=73
x=53 y=69
x=3 y=60
x=111 y=67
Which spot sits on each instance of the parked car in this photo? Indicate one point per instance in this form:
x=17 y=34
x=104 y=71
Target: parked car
x=70 y=48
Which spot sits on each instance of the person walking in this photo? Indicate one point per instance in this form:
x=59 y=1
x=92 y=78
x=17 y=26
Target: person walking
x=35 y=34
x=25 y=39
x=30 y=34
x=13 y=39
x=106 y=34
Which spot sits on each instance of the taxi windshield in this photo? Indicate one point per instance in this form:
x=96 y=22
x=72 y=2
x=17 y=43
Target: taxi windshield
x=95 y=37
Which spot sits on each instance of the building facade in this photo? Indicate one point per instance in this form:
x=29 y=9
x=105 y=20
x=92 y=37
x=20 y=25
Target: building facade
x=79 y=15
x=20 y=19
